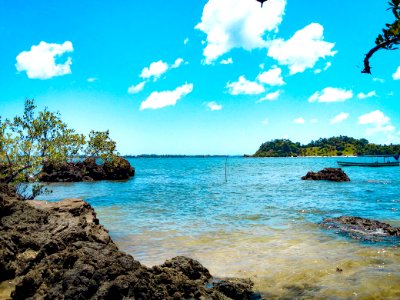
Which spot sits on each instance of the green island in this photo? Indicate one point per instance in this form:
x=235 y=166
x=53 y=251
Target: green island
x=333 y=146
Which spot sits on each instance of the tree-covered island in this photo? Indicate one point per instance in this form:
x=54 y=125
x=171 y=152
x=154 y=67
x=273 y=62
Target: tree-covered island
x=334 y=146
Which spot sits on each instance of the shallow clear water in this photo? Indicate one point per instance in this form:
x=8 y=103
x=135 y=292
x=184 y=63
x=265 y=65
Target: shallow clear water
x=262 y=223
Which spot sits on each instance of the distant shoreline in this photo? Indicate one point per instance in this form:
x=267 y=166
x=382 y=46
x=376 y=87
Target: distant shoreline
x=223 y=156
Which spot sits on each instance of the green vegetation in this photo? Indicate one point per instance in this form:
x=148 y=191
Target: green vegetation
x=29 y=141
x=389 y=38
x=334 y=146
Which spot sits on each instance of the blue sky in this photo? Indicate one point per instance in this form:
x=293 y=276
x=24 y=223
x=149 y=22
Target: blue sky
x=202 y=77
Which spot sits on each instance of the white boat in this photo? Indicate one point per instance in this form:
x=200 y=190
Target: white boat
x=374 y=161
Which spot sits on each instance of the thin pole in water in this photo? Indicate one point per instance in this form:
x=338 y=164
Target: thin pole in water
x=226 y=162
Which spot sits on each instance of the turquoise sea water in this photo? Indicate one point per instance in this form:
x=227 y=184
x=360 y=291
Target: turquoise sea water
x=261 y=223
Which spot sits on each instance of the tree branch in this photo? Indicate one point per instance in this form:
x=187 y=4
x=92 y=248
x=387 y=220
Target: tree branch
x=367 y=67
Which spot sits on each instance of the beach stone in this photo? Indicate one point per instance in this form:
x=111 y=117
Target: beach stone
x=331 y=174
x=361 y=228
x=60 y=251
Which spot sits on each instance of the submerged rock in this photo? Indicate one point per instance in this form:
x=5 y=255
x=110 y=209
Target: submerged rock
x=361 y=229
x=60 y=251
x=331 y=174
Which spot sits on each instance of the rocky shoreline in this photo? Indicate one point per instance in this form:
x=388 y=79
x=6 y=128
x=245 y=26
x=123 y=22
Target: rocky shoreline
x=362 y=229
x=60 y=251
x=87 y=170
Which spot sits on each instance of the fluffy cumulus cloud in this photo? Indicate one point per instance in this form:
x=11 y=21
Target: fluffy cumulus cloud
x=213 y=106
x=178 y=62
x=134 y=89
x=299 y=120
x=302 y=50
x=367 y=95
x=377 y=122
x=244 y=86
x=227 y=61
x=272 y=77
x=331 y=94
x=40 y=61
x=158 y=100
x=270 y=96
x=339 y=118
x=158 y=68
x=396 y=75
x=242 y=25
x=155 y=70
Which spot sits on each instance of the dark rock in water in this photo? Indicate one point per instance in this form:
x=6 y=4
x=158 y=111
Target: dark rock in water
x=64 y=172
x=237 y=289
x=118 y=169
x=93 y=170
x=361 y=229
x=59 y=251
x=88 y=170
x=331 y=174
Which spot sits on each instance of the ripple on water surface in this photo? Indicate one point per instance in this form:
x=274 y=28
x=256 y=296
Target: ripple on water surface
x=262 y=223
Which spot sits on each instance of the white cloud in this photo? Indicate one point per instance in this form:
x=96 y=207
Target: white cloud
x=270 y=97
x=156 y=69
x=186 y=41
x=339 y=118
x=244 y=86
x=375 y=117
x=302 y=50
x=380 y=80
x=262 y=66
x=91 y=79
x=265 y=121
x=368 y=95
x=232 y=24
x=40 y=61
x=158 y=100
x=396 y=75
x=379 y=122
x=272 y=77
x=227 y=61
x=178 y=62
x=214 y=106
x=299 y=121
x=134 y=89
x=331 y=94
x=327 y=66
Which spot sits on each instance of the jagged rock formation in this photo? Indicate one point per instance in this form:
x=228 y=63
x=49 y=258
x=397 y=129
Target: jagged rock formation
x=360 y=228
x=60 y=251
x=331 y=174
x=88 y=170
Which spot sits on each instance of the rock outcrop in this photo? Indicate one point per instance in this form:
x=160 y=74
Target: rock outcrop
x=60 y=251
x=361 y=229
x=331 y=174
x=88 y=170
